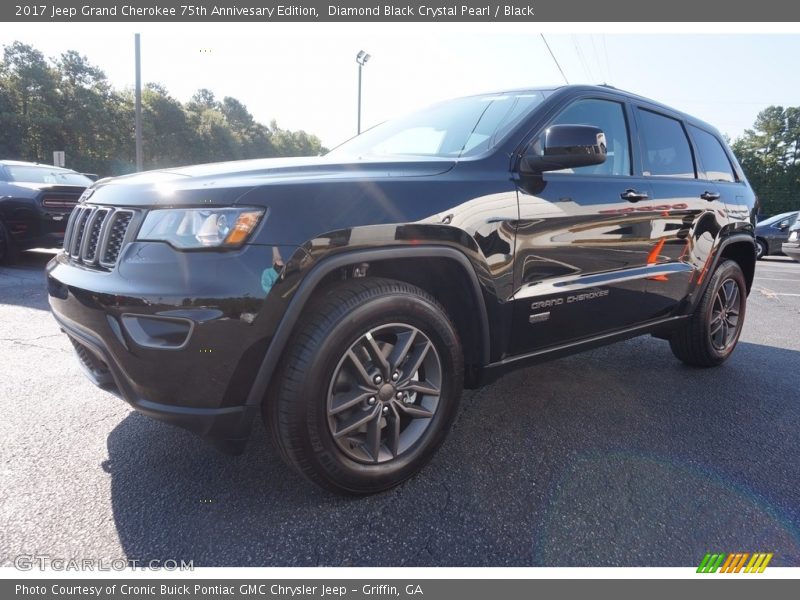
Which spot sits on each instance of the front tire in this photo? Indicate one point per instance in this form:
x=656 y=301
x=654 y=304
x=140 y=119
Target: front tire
x=712 y=332
x=761 y=249
x=368 y=388
x=8 y=253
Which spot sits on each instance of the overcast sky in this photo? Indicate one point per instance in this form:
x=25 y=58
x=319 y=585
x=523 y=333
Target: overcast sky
x=305 y=75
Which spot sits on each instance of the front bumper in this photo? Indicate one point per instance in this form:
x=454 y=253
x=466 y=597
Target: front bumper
x=227 y=428
x=196 y=370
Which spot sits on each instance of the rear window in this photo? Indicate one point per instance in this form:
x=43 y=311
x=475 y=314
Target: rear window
x=25 y=174
x=715 y=161
x=665 y=147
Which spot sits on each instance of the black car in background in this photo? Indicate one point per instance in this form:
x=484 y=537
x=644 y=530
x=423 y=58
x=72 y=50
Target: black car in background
x=349 y=298
x=791 y=247
x=772 y=232
x=35 y=203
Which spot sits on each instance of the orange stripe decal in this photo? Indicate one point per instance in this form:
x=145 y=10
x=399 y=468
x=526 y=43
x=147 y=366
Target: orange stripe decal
x=741 y=562
x=727 y=564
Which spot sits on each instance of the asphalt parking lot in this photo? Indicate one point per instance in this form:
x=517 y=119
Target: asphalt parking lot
x=619 y=456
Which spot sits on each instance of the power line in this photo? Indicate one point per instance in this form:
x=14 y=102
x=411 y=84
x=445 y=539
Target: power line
x=586 y=68
x=608 y=64
x=555 y=60
x=597 y=60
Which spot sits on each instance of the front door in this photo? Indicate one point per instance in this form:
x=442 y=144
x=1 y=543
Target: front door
x=582 y=241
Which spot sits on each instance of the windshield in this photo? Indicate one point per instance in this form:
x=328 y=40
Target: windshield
x=24 y=174
x=452 y=129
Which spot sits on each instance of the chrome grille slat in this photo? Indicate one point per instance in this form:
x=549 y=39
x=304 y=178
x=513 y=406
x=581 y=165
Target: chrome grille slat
x=95 y=235
x=80 y=226
x=94 y=227
x=68 y=230
x=118 y=227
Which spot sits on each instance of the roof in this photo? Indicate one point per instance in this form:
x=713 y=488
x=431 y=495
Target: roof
x=571 y=88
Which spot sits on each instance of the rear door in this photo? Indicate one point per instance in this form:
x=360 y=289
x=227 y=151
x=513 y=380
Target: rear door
x=688 y=209
x=715 y=165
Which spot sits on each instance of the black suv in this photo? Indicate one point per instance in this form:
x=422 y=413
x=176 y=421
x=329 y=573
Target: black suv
x=35 y=203
x=349 y=298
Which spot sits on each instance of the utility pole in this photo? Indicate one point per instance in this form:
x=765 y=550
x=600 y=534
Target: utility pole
x=138 y=107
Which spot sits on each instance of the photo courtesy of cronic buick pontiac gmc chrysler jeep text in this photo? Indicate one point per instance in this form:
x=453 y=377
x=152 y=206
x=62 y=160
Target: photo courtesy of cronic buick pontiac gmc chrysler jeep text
x=349 y=298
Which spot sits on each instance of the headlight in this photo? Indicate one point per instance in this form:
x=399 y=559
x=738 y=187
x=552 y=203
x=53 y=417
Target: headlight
x=201 y=227
x=794 y=235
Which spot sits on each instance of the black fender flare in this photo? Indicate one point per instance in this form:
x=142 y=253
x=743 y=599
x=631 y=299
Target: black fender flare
x=331 y=263
x=734 y=238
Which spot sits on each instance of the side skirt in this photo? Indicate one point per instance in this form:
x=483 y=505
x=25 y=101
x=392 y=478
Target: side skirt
x=659 y=328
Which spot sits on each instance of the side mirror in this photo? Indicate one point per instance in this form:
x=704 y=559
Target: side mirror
x=565 y=147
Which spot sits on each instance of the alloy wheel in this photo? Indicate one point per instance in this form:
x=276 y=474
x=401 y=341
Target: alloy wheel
x=724 y=323
x=384 y=393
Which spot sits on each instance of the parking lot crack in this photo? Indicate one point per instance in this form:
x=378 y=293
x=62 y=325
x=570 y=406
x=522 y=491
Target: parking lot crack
x=29 y=345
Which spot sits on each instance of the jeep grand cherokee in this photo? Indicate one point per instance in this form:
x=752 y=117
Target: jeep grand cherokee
x=349 y=298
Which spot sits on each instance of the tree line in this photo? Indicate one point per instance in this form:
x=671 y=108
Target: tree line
x=66 y=103
x=770 y=156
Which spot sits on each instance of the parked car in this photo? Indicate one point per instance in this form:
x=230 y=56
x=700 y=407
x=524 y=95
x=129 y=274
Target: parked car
x=791 y=247
x=772 y=232
x=349 y=298
x=35 y=204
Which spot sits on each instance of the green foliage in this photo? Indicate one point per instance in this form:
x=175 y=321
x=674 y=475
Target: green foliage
x=770 y=156
x=67 y=104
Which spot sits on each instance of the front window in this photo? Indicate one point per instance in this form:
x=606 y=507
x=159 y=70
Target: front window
x=452 y=129
x=25 y=174
x=610 y=117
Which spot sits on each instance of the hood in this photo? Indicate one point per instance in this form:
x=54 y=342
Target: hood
x=48 y=187
x=226 y=182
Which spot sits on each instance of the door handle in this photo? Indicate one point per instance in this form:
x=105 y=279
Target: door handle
x=632 y=195
x=709 y=196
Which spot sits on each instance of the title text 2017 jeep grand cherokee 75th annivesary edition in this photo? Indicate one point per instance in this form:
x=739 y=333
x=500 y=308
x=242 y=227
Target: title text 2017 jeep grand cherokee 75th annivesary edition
x=349 y=298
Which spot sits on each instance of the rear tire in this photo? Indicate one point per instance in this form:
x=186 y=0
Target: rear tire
x=712 y=332
x=368 y=387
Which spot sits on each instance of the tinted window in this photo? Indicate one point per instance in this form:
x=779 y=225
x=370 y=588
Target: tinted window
x=25 y=174
x=713 y=158
x=665 y=148
x=610 y=117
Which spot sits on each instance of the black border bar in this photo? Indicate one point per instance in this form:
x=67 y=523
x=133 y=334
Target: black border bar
x=476 y=11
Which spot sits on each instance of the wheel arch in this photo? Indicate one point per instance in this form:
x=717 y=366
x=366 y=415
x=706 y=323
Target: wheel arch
x=459 y=292
x=740 y=249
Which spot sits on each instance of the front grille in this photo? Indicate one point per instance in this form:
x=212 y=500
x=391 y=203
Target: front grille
x=95 y=234
x=60 y=200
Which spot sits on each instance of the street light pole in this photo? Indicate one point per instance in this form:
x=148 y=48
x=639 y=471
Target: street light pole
x=361 y=58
